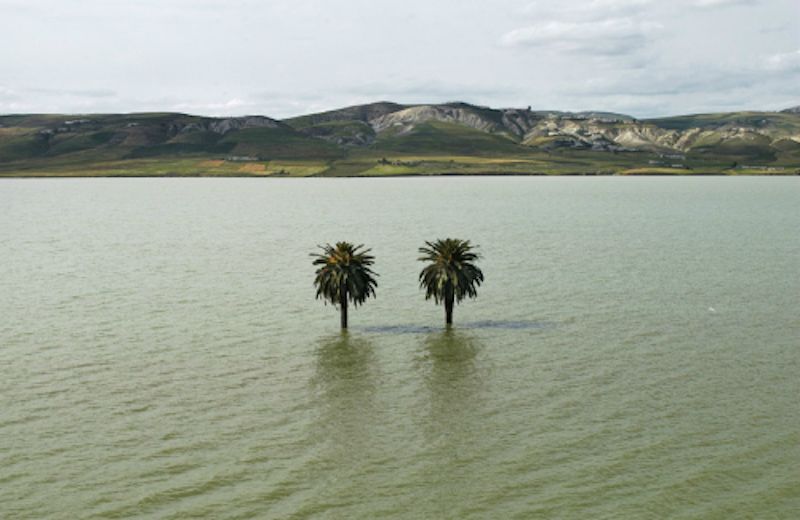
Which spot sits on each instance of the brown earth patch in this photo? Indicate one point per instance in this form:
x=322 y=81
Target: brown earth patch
x=252 y=168
x=213 y=163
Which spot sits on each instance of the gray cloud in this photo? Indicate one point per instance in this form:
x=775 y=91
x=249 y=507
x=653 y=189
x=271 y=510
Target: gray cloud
x=648 y=93
x=421 y=90
x=587 y=10
x=8 y=94
x=87 y=93
x=604 y=37
x=288 y=57
x=784 y=61
x=721 y=3
x=776 y=28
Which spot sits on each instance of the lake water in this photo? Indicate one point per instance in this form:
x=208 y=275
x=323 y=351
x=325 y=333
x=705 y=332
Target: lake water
x=633 y=353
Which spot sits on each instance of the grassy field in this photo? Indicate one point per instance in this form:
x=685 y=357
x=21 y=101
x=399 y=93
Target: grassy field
x=379 y=164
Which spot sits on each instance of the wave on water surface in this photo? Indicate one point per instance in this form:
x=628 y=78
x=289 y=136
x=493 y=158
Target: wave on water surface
x=484 y=324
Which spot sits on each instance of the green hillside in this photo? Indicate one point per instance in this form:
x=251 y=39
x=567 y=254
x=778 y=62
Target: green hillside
x=391 y=139
x=755 y=120
x=435 y=137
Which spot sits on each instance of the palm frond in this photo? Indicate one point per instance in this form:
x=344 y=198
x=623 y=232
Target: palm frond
x=344 y=269
x=450 y=270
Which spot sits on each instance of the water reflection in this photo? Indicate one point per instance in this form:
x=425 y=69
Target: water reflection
x=451 y=351
x=454 y=374
x=344 y=384
x=510 y=324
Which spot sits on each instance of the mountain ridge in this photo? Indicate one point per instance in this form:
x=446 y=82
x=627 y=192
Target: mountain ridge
x=599 y=131
x=336 y=140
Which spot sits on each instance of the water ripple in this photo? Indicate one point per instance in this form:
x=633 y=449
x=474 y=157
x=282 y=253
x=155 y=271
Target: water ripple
x=162 y=356
x=484 y=324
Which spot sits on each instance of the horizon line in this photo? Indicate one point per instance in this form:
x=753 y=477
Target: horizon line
x=404 y=105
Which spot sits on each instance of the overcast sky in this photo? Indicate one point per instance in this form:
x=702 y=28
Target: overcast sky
x=289 y=57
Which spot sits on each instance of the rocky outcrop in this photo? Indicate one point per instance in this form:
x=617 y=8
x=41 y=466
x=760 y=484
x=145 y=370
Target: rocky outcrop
x=222 y=126
x=404 y=121
x=354 y=134
x=364 y=113
x=582 y=130
x=602 y=131
x=519 y=122
x=558 y=131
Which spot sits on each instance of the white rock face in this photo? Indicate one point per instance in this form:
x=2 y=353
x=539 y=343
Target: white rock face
x=404 y=119
x=584 y=130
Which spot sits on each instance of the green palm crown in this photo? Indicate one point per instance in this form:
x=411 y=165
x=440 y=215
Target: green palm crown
x=451 y=272
x=344 y=273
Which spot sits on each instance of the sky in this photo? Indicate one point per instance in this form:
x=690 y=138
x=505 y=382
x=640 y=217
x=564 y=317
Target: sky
x=283 y=58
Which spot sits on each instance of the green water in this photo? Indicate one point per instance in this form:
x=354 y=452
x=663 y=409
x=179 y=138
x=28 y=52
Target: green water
x=634 y=352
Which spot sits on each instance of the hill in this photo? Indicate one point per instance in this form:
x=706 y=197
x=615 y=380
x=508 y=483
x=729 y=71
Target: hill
x=387 y=138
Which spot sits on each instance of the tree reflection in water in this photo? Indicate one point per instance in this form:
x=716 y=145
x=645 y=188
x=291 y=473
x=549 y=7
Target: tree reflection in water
x=344 y=385
x=451 y=364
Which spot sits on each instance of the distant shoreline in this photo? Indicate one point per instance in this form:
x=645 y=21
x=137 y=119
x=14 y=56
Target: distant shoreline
x=386 y=139
x=396 y=176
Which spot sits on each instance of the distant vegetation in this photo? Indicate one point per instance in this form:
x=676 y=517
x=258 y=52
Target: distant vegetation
x=383 y=139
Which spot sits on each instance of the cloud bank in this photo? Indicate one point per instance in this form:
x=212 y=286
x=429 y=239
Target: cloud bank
x=287 y=57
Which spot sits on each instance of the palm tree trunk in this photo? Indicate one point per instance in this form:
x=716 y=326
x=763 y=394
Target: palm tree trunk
x=343 y=309
x=448 y=309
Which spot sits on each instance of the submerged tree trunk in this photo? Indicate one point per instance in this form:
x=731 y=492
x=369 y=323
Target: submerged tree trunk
x=448 y=309
x=343 y=309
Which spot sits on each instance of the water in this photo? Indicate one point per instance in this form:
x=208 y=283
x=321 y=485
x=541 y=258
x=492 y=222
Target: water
x=633 y=353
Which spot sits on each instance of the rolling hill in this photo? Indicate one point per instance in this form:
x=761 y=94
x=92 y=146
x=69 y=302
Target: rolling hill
x=386 y=138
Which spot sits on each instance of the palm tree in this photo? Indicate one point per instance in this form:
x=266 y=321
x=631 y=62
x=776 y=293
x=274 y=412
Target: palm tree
x=344 y=275
x=451 y=274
